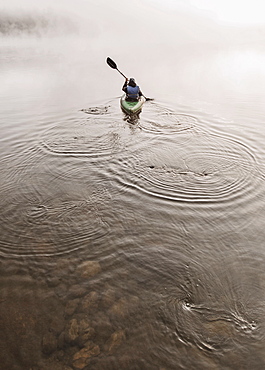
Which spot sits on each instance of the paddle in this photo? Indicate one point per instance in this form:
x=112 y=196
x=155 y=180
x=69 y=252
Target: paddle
x=113 y=65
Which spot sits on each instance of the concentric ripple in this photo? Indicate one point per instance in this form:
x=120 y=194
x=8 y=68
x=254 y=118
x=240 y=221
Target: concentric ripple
x=97 y=110
x=53 y=228
x=93 y=134
x=211 y=329
x=48 y=208
x=92 y=140
x=198 y=168
x=166 y=121
x=210 y=308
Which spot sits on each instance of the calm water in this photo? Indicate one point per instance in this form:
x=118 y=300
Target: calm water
x=132 y=244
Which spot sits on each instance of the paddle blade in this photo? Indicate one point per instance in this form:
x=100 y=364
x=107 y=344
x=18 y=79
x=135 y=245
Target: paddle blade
x=111 y=63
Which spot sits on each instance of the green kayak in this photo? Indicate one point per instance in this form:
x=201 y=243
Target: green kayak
x=132 y=107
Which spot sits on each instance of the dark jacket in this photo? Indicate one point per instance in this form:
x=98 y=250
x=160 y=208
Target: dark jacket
x=133 y=93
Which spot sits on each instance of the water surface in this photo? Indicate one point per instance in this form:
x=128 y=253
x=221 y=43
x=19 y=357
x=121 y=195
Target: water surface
x=131 y=243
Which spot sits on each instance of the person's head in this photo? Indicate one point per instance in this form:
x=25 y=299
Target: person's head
x=132 y=82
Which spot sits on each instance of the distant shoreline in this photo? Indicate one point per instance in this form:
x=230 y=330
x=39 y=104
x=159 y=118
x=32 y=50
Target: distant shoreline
x=34 y=24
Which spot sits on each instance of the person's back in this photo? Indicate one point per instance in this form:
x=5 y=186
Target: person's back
x=132 y=91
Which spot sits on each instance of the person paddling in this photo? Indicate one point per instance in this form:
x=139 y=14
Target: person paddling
x=132 y=90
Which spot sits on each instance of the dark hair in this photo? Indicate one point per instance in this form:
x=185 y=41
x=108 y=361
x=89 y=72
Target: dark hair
x=132 y=82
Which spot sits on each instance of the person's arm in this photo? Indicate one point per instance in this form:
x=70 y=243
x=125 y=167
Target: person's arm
x=140 y=92
x=124 y=87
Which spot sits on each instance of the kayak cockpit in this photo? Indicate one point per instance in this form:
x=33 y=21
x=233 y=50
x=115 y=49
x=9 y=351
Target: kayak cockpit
x=132 y=107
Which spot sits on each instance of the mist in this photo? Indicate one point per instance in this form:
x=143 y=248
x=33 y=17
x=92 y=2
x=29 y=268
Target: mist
x=164 y=45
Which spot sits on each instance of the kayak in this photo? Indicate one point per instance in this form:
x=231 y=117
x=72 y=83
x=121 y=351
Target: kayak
x=132 y=107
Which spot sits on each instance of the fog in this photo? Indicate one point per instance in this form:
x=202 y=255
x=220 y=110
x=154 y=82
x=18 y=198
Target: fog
x=161 y=44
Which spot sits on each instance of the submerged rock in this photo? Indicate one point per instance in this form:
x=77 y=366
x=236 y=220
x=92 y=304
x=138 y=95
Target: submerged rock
x=82 y=358
x=103 y=327
x=88 y=269
x=119 y=309
x=71 y=306
x=78 y=331
x=61 y=290
x=53 y=281
x=57 y=325
x=115 y=341
x=77 y=291
x=123 y=308
x=86 y=332
x=49 y=343
x=90 y=302
x=61 y=340
x=108 y=298
x=72 y=331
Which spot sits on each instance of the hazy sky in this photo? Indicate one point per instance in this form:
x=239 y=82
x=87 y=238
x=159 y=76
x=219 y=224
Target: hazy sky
x=231 y=11
x=237 y=11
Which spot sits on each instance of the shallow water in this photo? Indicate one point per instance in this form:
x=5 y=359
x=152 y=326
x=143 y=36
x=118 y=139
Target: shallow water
x=132 y=243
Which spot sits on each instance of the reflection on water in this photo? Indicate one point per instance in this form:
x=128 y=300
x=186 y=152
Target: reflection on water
x=131 y=243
